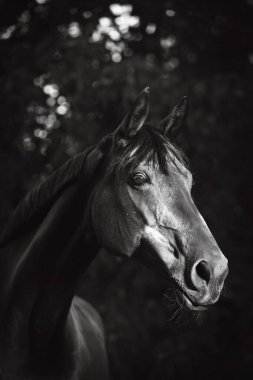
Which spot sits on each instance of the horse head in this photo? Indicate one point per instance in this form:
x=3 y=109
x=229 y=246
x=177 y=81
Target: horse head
x=142 y=206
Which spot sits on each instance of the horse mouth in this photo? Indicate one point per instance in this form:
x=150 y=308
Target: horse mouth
x=189 y=303
x=186 y=300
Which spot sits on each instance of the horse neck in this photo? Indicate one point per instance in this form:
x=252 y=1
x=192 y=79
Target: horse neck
x=41 y=270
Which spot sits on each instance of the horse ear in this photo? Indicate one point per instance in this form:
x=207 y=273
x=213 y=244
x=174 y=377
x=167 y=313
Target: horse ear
x=135 y=119
x=173 y=123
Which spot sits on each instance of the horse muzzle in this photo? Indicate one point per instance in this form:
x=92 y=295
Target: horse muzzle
x=203 y=284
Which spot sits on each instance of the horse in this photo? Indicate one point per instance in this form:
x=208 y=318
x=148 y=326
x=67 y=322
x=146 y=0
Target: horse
x=131 y=195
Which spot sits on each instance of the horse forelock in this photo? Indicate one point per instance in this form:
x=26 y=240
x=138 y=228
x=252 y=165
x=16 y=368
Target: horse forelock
x=149 y=146
x=44 y=193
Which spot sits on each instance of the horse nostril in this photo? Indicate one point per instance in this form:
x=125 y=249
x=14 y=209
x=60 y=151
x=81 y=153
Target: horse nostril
x=203 y=271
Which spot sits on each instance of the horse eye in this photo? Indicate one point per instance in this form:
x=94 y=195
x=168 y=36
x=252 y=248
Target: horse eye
x=138 y=179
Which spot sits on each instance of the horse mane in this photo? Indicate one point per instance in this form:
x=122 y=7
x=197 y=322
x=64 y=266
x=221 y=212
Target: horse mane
x=149 y=145
x=44 y=193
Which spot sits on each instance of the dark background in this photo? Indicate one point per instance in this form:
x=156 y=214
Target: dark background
x=69 y=71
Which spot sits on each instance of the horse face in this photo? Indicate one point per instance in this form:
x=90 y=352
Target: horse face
x=146 y=213
x=174 y=238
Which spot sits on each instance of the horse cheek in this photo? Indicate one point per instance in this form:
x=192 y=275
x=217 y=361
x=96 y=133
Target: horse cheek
x=115 y=227
x=102 y=219
x=107 y=223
